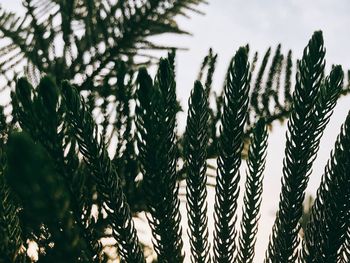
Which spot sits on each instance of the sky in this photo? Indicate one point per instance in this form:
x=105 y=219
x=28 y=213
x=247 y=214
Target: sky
x=228 y=24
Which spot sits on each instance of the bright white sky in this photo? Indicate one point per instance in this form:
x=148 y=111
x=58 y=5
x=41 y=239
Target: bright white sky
x=229 y=24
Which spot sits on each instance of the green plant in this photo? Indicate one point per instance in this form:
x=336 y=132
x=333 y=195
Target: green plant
x=100 y=44
x=196 y=181
x=66 y=167
x=84 y=39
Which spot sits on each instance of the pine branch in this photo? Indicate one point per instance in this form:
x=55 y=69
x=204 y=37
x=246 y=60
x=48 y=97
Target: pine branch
x=40 y=44
x=253 y=191
x=10 y=229
x=107 y=181
x=206 y=73
x=281 y=104
x=156 y=143
x=254 y=62
x=328 y=226
x=310 y=114
x=344 y=255
x=41 y=191
x=229 y=160
x=275 y=93
x=137 y=23
x=276 y=61
x=208 y=67
x=122 y=27
x=287 y=79
x=196 y=181
x=40 y=115
x=254 y=103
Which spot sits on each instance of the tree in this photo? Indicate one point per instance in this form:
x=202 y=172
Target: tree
x=65 y=170
x=84 y=40
x=99 y=45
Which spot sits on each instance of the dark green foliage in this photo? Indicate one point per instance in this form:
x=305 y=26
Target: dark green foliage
x=107 y=181
x=287 y=84
x=60 y=189
x=156 y=142
x=209 y=63
x=326 y=233
x=10 y=229
x=252 y=195
x=195 y=158
x=312 y=107
x=97 y=44
x=344 y=254
x=258 y=82
x=41 y=115
x=276 y=61
x=84 y=38
x=229 y=158
x=31 y=175
x=265 y=99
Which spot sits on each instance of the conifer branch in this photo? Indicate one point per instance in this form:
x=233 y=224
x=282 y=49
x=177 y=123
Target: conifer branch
x=196 y=181
x=10 y=229
x=54 y=204
x=31 y=176
x=107 y=181
x=208 y=67
x=310 y=113
x=229 y=159
x=344 y=254
x=254 y=62
x=254 y=102
x=156 y=143
x=273 y=73
x=327 y=230
x=122 y=27
x=40 y=115
x=287 y=80
x=253 y=192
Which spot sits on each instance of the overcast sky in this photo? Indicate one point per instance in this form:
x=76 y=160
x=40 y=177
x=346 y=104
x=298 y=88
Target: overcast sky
x=229 y=24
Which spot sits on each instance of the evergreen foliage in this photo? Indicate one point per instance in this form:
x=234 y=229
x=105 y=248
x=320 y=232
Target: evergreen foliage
x=107 y=181
x=229 y=159
x=156 y=142
x=100 y=44
x=327 y=230
x=311 y=111
x=85 y=39
x=11 y=232
x=196 y=181
x=253 y=192
x=40 y=114
x=31 y=176
x=61 y=189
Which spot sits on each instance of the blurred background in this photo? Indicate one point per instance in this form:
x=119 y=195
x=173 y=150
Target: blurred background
x=228 y=24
